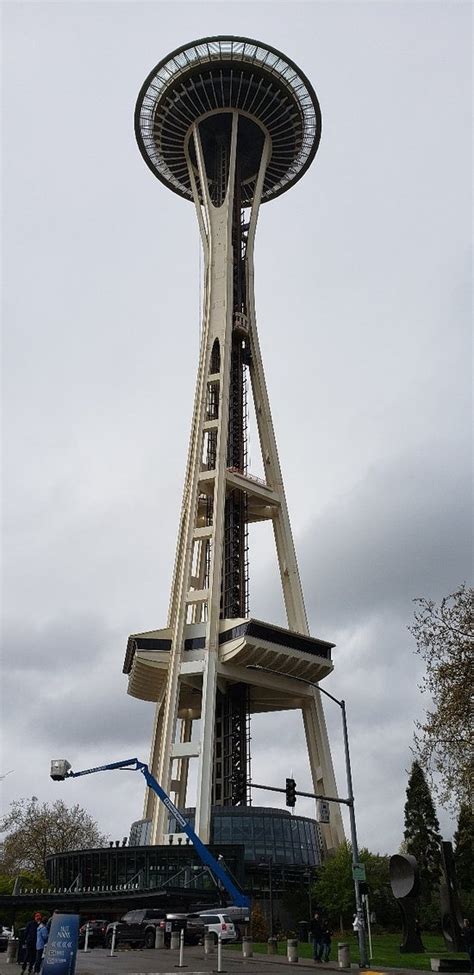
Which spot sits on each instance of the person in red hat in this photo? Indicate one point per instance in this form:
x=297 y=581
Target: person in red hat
x=29 y=952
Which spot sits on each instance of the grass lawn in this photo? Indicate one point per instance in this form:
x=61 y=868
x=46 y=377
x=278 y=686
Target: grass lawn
x=385 y=947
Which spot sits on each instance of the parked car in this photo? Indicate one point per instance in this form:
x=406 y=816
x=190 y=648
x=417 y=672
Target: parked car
x=136 y=928
x=97 y=931
x=219 y=924
x=195 y=929
x=5 y=935
x=192 y=924
x=239 y=915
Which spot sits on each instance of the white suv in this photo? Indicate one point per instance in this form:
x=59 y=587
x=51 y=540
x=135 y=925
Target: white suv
x=219 y=924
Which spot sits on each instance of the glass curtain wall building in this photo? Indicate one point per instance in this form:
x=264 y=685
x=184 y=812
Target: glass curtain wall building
x=266 y=832
x=146 y=868
x=247 y=840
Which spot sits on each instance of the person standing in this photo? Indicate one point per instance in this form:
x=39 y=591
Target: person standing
x=29 y=944
x=326 y=941
x=468 y=935
x=316 y=931
x=41 y=939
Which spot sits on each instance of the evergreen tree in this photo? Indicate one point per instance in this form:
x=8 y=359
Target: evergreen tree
x=464 y=849
x=422 y=836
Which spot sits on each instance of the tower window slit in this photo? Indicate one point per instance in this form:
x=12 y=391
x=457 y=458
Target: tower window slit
x=209 y=450
x=212 y=405
x=215 y=364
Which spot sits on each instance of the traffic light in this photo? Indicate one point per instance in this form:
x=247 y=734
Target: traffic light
x=290 y=792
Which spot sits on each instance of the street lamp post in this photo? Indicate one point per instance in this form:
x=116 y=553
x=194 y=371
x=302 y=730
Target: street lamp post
x=349 y=802
x=354 y=844
x=310 y=899
x=269 y=861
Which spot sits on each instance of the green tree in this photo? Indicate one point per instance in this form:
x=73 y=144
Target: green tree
x=295 y=900
x=464 y=850
x=28 y=879
x=381 y=900
x=444 y=637
x=36 y=831
x=13 y=915
x=422 y=836
x=333 y=890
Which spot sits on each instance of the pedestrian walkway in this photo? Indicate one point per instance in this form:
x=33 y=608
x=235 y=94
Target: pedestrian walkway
x=153 y=962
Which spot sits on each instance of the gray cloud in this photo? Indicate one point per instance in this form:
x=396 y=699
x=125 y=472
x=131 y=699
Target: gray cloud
x=82 y=640
x=67 y=671
x=364 y=315
x=402 y=532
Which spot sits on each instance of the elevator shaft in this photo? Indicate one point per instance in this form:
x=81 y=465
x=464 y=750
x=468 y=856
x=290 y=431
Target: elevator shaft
x=231 y=758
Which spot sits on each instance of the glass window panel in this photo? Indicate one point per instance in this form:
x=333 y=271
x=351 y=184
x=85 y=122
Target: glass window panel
x=277 y=829
x=258 y=832
x=226 y=829
x=287 y=825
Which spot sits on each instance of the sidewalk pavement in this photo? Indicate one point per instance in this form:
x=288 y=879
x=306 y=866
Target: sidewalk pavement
x=153 y=962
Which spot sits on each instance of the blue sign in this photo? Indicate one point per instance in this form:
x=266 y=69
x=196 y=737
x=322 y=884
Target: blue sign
x=61 y=949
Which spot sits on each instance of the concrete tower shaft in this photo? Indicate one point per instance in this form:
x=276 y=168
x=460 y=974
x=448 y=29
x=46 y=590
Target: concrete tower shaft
x=228 y=123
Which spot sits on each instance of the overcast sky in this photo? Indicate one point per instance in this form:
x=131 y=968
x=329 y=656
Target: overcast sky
x=363 y=303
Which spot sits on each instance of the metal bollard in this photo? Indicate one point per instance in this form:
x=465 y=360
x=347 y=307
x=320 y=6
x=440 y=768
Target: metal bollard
x=208 y=943
x=219 y=953
x=113 y=953
x=175 y=940
x=12 y=950
x=292 y=950
x=247 y=947
x=159 y=937
x=86 y=939
x=272 y=946
x=181 y=950
x=343 y=955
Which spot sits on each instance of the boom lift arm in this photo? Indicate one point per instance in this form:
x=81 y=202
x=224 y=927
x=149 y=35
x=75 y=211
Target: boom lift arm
x=61 y=769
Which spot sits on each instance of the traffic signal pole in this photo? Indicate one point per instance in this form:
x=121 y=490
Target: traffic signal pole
x=364 y=961
x=349 y=802
x=297 y=792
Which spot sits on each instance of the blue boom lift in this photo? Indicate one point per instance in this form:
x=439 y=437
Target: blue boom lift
x=61 y=769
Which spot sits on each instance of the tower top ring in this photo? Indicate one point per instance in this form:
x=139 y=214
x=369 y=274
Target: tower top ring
x=215 y=74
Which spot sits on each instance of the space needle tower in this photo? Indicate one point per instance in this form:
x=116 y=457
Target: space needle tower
x=227 y=123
